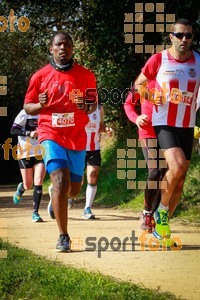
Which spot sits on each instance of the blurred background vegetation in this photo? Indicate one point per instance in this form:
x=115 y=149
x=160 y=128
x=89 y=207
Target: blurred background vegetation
x=97 y=28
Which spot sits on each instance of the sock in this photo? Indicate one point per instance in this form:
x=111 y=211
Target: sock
x=90 y=194
x=146 y=208
x=147 y=211
x=37 y=195
x=163 y=207
x=70 y=201
x=22 y=189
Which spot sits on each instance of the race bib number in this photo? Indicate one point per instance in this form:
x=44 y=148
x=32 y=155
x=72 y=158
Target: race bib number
x=177 y=96
x=63 y=120
x=91 y=127
x=187 y=98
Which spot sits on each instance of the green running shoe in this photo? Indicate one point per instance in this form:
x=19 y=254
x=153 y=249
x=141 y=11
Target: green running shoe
x=162 y=229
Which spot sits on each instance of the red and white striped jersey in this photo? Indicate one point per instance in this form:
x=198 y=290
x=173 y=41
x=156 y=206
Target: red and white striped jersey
x=178 y=82
x=93 y=131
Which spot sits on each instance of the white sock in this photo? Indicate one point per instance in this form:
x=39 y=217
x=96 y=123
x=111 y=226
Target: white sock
x=147 y=212
x=90 y=194
x=163 y=207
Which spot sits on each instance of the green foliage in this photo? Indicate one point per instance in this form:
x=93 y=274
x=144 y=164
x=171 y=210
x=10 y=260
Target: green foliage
x=24 y=275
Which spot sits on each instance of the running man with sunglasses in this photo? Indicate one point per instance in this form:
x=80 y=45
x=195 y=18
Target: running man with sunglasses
x=176 y=72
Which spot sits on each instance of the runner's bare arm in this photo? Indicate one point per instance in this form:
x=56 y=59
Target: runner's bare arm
x=33 y=108
x=36 y=108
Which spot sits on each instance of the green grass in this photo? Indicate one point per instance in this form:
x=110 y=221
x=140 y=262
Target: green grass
x=24 y=275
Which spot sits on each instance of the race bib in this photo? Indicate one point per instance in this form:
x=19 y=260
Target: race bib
x=91 y=127
x=187 y=98
x=177 y=96
x=63 y=120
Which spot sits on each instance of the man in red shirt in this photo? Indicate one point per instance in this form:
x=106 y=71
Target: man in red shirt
x=57 y=92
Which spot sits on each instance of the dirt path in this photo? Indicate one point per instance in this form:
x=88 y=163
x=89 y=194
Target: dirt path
x=176 y=272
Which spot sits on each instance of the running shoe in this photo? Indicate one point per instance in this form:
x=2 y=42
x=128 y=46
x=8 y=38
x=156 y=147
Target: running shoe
x=63 y=244
x=87 y=214
x=147 y=222
x=162 y=229
x=17 y=197
x=49 y=207
x=36 y=217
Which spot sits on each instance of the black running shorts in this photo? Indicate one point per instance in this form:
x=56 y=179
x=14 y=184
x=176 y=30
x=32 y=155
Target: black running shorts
x=29 y=163
x=170 y=137
x=93 y=158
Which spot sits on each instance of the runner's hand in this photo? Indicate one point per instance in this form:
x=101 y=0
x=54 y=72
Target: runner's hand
x=109 y=131
x=43 y=98
x=34 y=134
x=141 y=121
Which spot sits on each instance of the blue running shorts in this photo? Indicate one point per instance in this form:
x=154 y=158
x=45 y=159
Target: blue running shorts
x=57 y=157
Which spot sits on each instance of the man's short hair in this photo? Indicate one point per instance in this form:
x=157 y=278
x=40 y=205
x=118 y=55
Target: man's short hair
x=185 y=22
x=67 y=36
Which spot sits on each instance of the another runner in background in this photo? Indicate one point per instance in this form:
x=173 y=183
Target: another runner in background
x=30 y=160
x=150 y=149
x=94 y=129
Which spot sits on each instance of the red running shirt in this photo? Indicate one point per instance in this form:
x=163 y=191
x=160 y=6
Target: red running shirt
x=61 y=121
